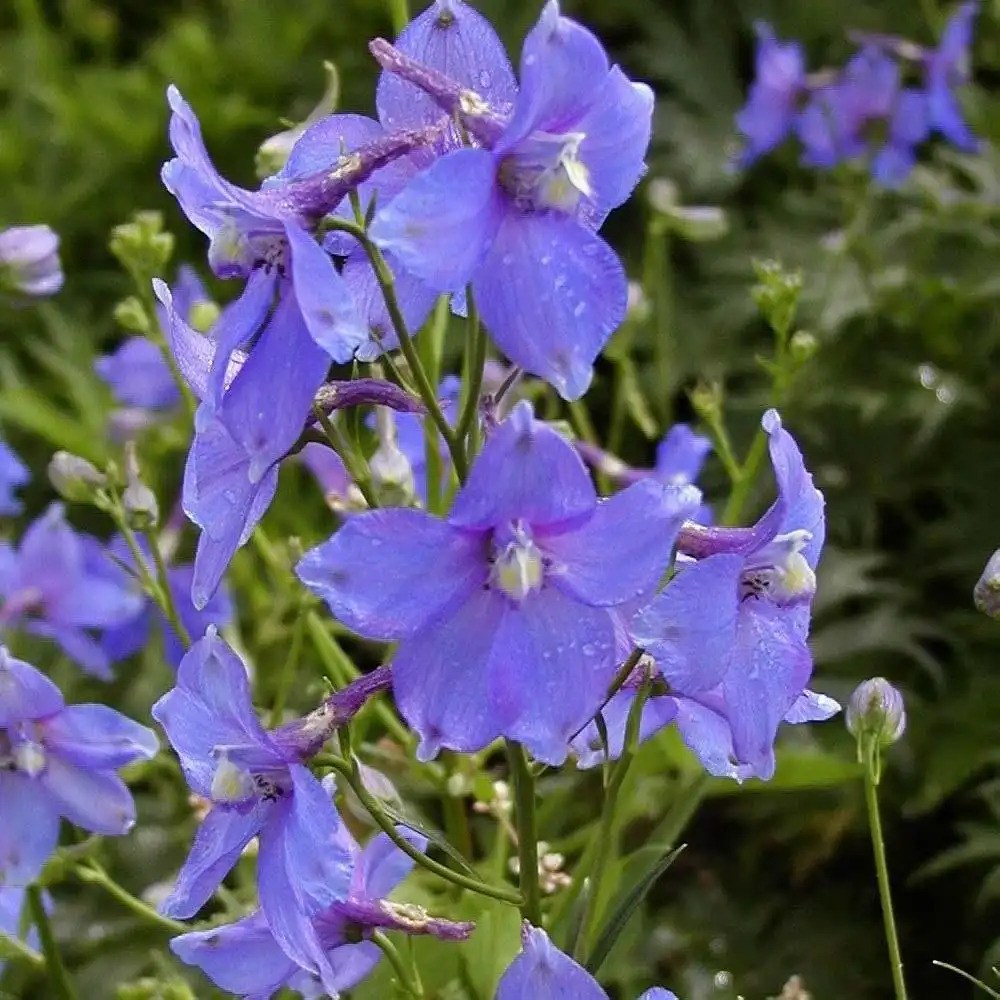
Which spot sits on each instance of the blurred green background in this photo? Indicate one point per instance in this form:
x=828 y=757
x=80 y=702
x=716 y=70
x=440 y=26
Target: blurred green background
x=898 y=412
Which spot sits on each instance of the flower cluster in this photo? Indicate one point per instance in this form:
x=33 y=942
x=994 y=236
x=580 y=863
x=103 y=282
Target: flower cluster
x=889 y=98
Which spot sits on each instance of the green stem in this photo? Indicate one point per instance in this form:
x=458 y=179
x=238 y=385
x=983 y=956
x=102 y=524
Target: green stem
x=399 y=12
x=606 y=835
x=475 y=349
x=169 y=605
x=406 y=978
x=288 y=669
x=343 y=447
x=349 y=772
x=54 y=967
x=527 y=832
x=426 y=391
x=95 y=875
x=15 y=948
x=882 y=871
x=745 y=479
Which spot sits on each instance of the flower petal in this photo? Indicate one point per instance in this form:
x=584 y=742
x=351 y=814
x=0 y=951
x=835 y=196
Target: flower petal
x=621 y=553
x=542 y=972
x=218 y=844
x=551 y=293
x=388 y=573
x=382 y=865
x=25 y=692
x=29 y=831
x=690 y=627
x=506 y=481
x=98 y=737
x=98 y=801
x=439 y=227
x=810 y=706
x=241 y=958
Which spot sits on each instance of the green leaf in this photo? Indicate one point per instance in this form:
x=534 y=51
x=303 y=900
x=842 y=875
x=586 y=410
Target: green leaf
x=625 y=906
x=492 y=947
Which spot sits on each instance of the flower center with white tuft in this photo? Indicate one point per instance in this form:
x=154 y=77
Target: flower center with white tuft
x=30 y=758
x=779 y=571
x=518 y=567
x=546 y=172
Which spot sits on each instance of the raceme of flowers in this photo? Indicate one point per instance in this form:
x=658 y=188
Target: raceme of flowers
x=889 y=98
x=512 y=602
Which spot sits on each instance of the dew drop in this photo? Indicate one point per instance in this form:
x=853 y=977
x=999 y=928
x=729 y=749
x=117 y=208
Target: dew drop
x=508 y=259
x=560 y=280
x=581 y=308
x=485 y=79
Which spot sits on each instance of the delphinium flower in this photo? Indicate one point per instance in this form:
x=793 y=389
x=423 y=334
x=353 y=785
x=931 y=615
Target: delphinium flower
x=58 y=760
x=728 y=633
x=55 y=584
x=13 y=475
x=244 y=957
x=258 y=787
x=986 y=593
x=137 y=372
x=881 y=106
x=505 y=611
x=542 y=972
x=29 y=261
x=516 y=215
x=131 y=636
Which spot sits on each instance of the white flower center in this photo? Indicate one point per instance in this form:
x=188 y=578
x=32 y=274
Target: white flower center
x=519 y=567
x=780 y=571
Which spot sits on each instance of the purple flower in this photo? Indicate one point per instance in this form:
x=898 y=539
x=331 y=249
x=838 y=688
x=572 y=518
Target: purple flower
x=505 y=612
x=779 y=85
x=729 y=631
x=946 y=68
x=129 y=637
x=244 y=958
x=29 y=261
x=13 y=474
x=55 y=584
x=330 y=472
x=517 y=221
x=542 y=972
x=909 y=126
x=258 y=787
x=58 y=760
x=219 y=495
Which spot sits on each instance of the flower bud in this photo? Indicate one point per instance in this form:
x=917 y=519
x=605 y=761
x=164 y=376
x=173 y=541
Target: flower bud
x=141 y=508
x=141 y=245
x=803 y=346
x=777 y=294
x=876 y=710
x=987 y=592
x=29 y=261
x=74 y=478
x=130 y=314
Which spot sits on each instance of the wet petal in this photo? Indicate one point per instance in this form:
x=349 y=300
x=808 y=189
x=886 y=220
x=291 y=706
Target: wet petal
x=388 y=573
x=551 y=293
x=811 y=706
x=621 y=552
x=657 y=713
x=503 y=484
x=542 y=972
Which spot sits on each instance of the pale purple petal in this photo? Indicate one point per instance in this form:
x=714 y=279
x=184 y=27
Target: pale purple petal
x=657 y=713
x=505 y=483
x=98 y=737
x=542 y=972
x=388 y=573
x=30 y=828
x=810 y=706
x=98 y=801
x=438 y=237
x=620 y=553
x=551 y=293
x=382 y=865
x=25 y=692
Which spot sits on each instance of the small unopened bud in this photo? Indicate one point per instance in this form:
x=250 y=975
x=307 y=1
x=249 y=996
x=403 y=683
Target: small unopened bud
x=391 y=470
x=876 y=711
x=987 y=592
x=802 y=346
x=203 y=315
x=141 y=245
x=131 y=315
x=29 y=261
x=74 y=478
x=141 y=508
x=777 y=294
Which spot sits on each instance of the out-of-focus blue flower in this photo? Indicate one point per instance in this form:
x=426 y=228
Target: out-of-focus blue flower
x=505 y=612
x=517 y=221
x=58 y=760
x=729 y=631
x=127 y=639
x=542 y=972
x=29 y=261
x=244 y=957
x=258 y=787
x=947 y=67
x=56 y=584
x=13 y=475
x=779 y=87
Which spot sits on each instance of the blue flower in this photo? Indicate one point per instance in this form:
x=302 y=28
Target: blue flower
x=542 y=972
x=779 y=86
x=505 y=612
x=244 y=957
x=29 y=261
x=258 y=787
x=56 y=585
x=13 y=475
x=517 y=220
x=58 y=760
x=729 y=631
x=946 y=68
